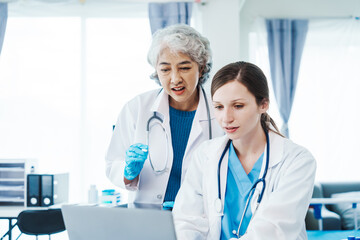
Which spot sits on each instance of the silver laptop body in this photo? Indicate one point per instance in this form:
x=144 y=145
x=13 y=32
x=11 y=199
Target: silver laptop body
x=114 y=223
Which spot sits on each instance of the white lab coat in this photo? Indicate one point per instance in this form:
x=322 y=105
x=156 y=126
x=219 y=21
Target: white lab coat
x=131 y=128
x=281 y=213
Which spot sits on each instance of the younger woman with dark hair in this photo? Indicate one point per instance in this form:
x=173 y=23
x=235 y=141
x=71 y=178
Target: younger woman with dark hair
x=252 y=183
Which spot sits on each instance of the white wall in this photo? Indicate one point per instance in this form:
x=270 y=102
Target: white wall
x=220 y=24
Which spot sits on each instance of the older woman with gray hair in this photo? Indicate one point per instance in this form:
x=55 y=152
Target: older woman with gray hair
x=157 y=131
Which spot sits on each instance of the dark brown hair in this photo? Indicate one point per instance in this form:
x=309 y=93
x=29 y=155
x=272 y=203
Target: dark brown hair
x=253 y=78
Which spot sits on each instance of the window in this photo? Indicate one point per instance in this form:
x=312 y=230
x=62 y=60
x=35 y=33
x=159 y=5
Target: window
x=64 y=77
x=324 y=115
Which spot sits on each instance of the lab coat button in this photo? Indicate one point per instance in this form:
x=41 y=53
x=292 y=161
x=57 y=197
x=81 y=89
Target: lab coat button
x=159 y=196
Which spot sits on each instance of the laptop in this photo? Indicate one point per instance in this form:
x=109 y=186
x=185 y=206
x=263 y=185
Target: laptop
x=117 y=223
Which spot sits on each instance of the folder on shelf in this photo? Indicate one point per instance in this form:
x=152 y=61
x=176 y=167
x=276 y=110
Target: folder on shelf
x=47 y=189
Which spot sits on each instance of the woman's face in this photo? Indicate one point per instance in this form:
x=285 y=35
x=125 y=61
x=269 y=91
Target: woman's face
x=236 y=110
x=179 y=76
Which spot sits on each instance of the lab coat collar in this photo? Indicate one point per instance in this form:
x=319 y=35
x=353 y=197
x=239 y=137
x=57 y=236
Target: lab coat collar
x=276 y=156
x=276 y=151
x=214 y=153
x=201 y=109
x=200 y=115
x=161 y=106
x=276 y=148
x=223 y=171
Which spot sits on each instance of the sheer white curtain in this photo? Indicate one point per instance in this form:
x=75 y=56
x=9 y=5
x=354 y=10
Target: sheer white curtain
x=63 y=82
x=325 y=113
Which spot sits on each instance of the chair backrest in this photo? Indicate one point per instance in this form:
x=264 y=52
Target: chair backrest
x=329 y=188
x=40 y=222
x=317 y=193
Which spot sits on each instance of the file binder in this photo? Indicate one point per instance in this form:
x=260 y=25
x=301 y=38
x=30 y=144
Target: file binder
x=47 y=189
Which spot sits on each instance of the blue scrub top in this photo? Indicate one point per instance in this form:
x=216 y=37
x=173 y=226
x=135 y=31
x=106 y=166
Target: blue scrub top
x=237 y=191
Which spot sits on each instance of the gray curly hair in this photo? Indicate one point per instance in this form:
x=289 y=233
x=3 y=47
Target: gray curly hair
x=184 y=39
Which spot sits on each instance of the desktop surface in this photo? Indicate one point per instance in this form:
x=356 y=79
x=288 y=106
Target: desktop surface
x=332 y=234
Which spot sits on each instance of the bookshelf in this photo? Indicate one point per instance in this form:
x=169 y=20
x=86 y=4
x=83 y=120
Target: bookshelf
x=13 y=180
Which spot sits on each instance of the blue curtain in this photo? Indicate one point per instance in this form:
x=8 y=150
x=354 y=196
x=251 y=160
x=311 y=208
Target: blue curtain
x=165 y=14
x=286 y=39
x=3 y=20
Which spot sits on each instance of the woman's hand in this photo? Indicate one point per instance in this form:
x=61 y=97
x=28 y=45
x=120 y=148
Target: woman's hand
x=134 y=160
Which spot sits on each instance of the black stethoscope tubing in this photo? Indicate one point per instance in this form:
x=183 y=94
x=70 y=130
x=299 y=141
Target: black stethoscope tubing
x=155 y=116
x=262 y=179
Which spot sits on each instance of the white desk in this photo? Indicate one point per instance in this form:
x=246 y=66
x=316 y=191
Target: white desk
x=323 y=201
x=334 y=200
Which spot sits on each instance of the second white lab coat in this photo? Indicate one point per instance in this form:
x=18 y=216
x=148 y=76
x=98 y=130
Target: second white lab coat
x=130 y=128
x=281 y=213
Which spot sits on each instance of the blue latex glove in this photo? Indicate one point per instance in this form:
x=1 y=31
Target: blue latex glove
x=134 y=160
x=168 y=205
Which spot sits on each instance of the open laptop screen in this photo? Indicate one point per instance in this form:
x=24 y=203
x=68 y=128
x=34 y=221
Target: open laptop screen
x=108 y=223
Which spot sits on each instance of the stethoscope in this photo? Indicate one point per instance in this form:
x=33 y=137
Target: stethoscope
x=218 y=204
x=159 y=121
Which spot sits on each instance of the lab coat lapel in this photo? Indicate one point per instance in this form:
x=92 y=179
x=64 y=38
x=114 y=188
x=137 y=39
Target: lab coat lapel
x=223 y=175
x=276 y=149
x=215 y=155
x=161 y=107
x=276 y=152
x=196 y=129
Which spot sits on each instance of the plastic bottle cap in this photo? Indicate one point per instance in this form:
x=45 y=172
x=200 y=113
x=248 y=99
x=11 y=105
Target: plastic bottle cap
x=108 y=192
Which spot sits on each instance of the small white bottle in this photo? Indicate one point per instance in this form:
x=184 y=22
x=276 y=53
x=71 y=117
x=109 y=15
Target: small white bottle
x=93 y=195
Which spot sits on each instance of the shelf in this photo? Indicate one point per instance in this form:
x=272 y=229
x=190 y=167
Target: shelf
x=13 y=174
x=12 y=188
x=14 y=169
x=12 y=179
x=11 y=199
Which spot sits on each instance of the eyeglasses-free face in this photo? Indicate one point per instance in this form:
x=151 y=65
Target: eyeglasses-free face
x=179 y=76
x=236 y=110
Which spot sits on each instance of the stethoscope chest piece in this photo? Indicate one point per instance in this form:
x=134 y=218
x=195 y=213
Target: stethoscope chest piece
x=218 y=205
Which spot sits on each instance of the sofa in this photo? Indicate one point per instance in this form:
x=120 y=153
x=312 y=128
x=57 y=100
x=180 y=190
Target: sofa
x=334 y=216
